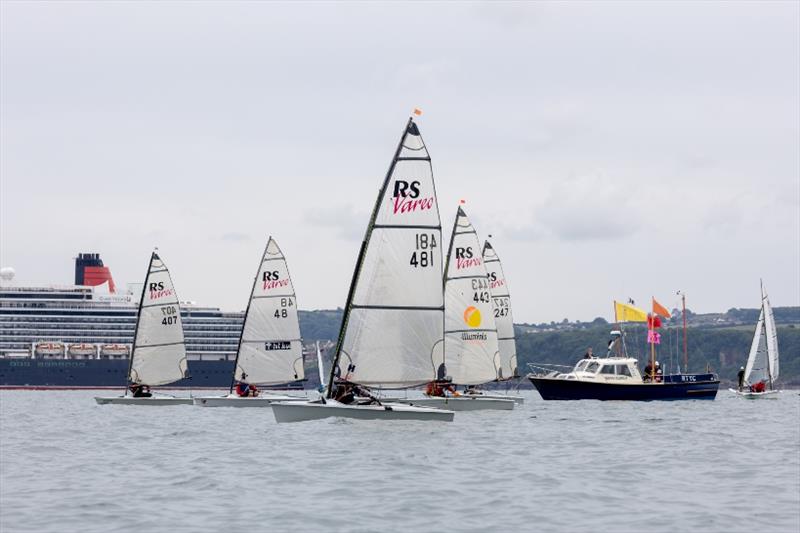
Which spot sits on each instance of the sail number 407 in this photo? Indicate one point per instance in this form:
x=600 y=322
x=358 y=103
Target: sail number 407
x=170 y=315
x=422 y=256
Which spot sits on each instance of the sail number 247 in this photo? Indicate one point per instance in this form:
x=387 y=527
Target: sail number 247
x=422 y=256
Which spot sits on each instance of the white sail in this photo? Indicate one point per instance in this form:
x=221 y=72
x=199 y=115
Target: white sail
x=471 y=351
x=501 y=308
x=756 y=369
x=393 y=323
x=270 y=350
x=772 y=340
x=159 y=353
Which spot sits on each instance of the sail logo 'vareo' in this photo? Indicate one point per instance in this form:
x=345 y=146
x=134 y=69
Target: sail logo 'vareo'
x=271 y=280
x=157 y=291
x=406 y=198
x=465 y=258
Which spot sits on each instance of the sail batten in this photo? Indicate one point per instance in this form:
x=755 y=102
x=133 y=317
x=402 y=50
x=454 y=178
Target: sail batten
x=270 y=348
x=471 y=350
x=393 y=317
x=501 y=307
x=159 y=351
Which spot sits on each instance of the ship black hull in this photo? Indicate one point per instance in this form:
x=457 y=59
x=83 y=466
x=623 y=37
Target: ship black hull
x=564 y=389
x=100 y=373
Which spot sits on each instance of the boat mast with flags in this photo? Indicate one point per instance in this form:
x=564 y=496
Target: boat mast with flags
x=158 y=356
x=270 y=350
x=392 y=325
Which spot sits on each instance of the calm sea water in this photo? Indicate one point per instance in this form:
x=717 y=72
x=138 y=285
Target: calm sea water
x=67 y=464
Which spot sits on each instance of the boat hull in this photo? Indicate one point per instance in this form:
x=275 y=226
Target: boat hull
x=304 y=411
x=236 y=401
x=519 y=400
x=570 y=389
x=464 y=403
x=766 y=395
x=153 y=400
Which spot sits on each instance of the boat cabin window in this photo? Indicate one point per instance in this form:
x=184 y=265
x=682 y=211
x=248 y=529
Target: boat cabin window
x=593 y=367
x=623 y=370
x=608 y=369
x=581 y=365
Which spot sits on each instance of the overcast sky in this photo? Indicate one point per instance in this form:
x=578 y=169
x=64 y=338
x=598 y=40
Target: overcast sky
x=613 y=150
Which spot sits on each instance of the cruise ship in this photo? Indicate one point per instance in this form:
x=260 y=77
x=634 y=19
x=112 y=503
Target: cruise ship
x=80 y=336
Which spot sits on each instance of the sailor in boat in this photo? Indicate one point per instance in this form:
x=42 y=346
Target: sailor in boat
x=740 y=375
x=348 y=393
x=588 y=354
x=441 y=388
x=243 y=390
x=140 y=391
x=761 y=386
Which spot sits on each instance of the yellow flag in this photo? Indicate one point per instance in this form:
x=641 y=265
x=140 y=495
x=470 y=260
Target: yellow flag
x=628 y=313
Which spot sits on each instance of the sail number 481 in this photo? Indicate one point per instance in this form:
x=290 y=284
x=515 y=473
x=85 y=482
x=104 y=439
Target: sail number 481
x=170 y=315
x=422 y=256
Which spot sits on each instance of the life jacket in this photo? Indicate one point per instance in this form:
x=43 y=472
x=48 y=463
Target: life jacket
x=242 y=388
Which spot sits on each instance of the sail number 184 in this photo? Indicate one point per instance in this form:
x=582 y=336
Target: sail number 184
x=422 y=256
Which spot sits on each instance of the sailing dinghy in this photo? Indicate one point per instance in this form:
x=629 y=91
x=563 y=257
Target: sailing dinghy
x=393 y=317
x=270 y=351
x=159 y=353
x=763 y=366
x=471 y=351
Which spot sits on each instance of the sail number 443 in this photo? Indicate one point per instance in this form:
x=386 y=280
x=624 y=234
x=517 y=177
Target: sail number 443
x=422 y=256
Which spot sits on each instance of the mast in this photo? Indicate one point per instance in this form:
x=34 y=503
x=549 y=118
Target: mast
x=360 y=261
x=246 y=313
x=445 y=271
x=765 y=333
x=685 y=352
x=136 y=328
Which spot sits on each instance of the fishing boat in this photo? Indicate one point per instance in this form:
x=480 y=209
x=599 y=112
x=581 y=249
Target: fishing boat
x=158 y=356
x=393 y=317
x=617 y=376
x=471 y=351
x=763 y=366
x=270 y=351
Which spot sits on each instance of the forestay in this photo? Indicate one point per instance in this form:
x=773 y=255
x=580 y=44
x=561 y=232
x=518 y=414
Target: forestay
x=159 y=353
x=501 y=309
x=471 y=351
x=393 y=322
x=270 y=349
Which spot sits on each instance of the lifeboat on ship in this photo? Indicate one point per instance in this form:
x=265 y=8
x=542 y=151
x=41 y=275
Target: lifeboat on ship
x=114 y=351
x=82 y=351
x=49 y=350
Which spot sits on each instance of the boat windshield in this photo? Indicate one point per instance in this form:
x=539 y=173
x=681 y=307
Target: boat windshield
x=581 y=365
x=592 y=367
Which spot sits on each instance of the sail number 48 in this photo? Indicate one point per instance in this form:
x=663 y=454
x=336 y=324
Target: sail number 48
x=170 y=315
x=422 y=256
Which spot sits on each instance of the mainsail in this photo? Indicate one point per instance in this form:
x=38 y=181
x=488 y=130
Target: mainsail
x=471 y=352
x=762 y=363
x=393 y=319
x=270 y=351
x=501 y=308
x=159 y=353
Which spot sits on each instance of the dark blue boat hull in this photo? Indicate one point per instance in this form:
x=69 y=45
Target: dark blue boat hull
x=671 y=389
x=100 y=373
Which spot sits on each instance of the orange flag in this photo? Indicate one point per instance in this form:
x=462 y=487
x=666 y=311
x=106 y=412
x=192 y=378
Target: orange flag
x=417 y=111
x=659 y=309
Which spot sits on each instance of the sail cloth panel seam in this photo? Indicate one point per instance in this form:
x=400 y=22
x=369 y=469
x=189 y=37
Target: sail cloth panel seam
x=159 y=345
x=398 y=307
x=474 y=276
x=392 y=226
x=413 y=158
x=468 y=330
x=287 y=295
x=259 y=341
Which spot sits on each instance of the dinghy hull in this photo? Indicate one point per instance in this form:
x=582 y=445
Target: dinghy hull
x=153 y=400
x=464 y=403
x=236 y=401
x=519 y=400
x=304 y=411
x=766 y=395
x=571 y=389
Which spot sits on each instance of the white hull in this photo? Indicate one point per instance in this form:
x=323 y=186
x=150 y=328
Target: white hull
x=303 y=411
x=519 y=400
x=770 y=394
x=463 y=403
x=264 y=400
x=152 y=400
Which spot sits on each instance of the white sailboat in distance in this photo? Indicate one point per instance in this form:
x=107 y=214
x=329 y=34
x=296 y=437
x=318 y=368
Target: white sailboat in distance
x=393 y=317
x=270 y=350
x=763 y=362
x=471 y=351
x=159 y=353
